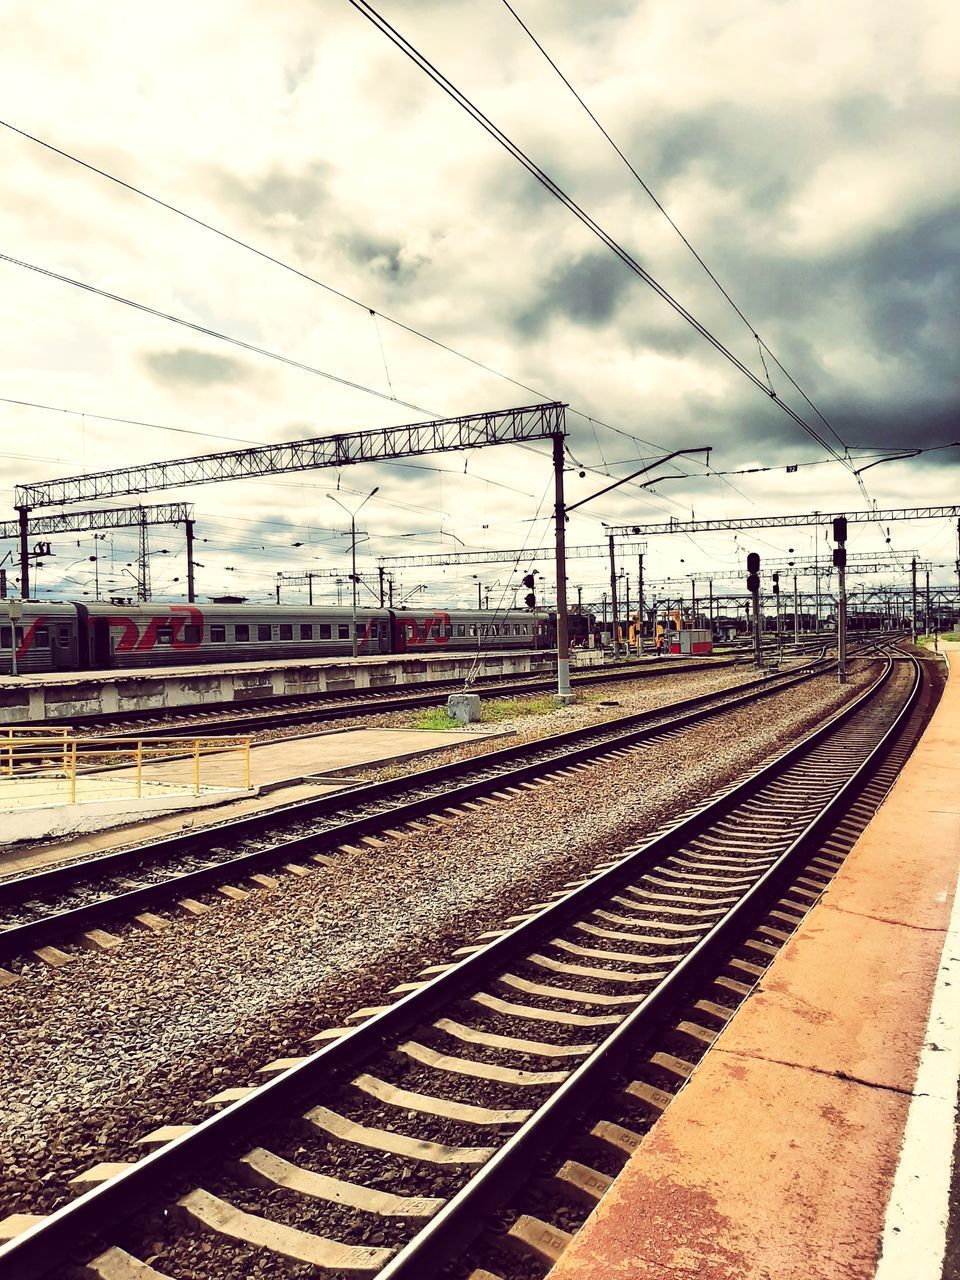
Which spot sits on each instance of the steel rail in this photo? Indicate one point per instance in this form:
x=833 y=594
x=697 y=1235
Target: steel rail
x=338 y=706
x=45 y=1246
x=492 y=771
x=460 y=1219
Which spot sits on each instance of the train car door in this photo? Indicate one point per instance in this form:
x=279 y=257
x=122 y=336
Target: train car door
x=63 y=645
x=101 y=655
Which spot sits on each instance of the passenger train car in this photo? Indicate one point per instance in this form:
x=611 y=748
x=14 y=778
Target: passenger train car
x=93 y=637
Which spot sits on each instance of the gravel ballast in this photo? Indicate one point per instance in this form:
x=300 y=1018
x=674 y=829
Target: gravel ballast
x=99 y=1052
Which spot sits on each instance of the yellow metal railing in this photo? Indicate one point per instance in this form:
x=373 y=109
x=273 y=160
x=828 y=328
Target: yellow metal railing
x=40 y=752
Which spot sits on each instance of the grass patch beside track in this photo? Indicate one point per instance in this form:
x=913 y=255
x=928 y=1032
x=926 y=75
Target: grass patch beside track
x=493 y=712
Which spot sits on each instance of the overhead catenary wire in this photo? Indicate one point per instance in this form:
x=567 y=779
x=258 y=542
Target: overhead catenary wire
x=212 y=333
x=761 y=345
x=461 y=99
x=312 y=279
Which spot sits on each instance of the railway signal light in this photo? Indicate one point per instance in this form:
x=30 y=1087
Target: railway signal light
x=530 y=599
x=840 y=557
x=776 y=584
x=753 y=570
x=840 y=528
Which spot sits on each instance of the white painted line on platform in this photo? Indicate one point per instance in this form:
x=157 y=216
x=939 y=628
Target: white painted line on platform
x=915 y=1228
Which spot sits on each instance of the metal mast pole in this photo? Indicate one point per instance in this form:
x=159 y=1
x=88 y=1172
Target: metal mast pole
x=842 y=626
x=816 y=576
x=710 y=588
x=380 y=572
x=143 y=584
x=693 y=605
x=757 y=633
x=926 y=616
x=613 y=599
x=353 y=576
x=309 y=587
x=24 y=513
x=640 y=605
x=913 y=597
x=191 y=592
x=560 y=513
x=796 y=612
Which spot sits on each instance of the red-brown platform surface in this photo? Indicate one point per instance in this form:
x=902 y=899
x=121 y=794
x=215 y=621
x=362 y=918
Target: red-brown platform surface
x=776 y=1160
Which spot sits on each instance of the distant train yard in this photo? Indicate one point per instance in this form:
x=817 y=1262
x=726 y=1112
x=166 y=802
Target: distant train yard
x=504 y=1055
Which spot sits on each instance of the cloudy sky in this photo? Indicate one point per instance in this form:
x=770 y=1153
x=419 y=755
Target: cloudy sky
x=812 y=165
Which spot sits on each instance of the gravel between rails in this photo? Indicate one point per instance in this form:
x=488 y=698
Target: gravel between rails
x=629 y=697
x=99 y=1052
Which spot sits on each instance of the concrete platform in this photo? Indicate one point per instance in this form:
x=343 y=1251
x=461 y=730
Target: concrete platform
x=293 y=768
x=318 y=757
x=60 y=695
x=806 y=1146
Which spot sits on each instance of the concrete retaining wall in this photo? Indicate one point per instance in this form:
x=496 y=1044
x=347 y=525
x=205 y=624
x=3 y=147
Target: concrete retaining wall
x=63 y=696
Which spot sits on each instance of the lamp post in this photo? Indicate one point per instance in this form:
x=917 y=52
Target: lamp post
x=353 y=554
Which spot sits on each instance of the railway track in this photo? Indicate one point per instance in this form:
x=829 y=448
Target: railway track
x=385 y=1152
x=279 y=712
x=271 y=713
x=52 y=906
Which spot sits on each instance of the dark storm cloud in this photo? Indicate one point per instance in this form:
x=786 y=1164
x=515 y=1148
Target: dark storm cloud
x=910 y=280
x=587 y=291
x=188 y=367
x=731 y=146
x=385 y=258
x=277 y=193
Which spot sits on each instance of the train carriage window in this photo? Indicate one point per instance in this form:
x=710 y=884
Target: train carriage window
x=164 y=635
x=63 y=634
x=192 y=634
x=218 y=635
x=241 y=632
x=448 y=630
x=473 y=628
x=343 y=630
x=526 y=629
x=306 y=631
x=483 y=628
x=6 y=638
x=286 y=630
x=264 y=631
x=41 y=638
x=323 y=631
x=516 y=628
x=461 y=629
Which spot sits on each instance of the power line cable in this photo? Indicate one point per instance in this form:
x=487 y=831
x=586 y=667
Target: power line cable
x=212 y=333
x=513 y=149
x=304 y=275
x=129 y=422
x=761 y=345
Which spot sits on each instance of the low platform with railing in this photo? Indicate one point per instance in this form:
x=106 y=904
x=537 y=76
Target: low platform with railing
x=52 y=769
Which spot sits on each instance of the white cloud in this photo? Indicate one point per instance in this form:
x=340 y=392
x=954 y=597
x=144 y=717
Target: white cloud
x=786 y=151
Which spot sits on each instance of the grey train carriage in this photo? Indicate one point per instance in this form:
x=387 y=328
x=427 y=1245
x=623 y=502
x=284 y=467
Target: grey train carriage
x=55 y=636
